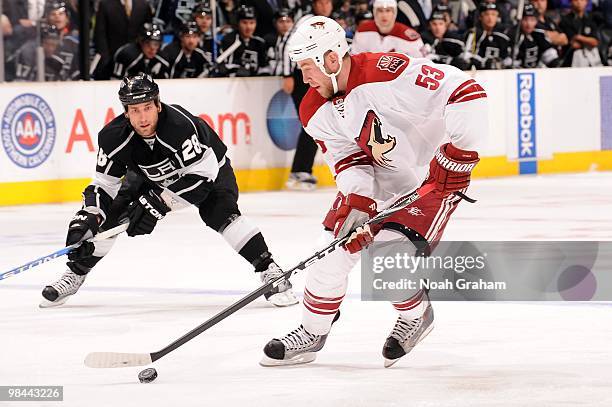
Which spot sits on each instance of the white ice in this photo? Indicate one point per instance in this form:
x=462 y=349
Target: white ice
x=151 y=290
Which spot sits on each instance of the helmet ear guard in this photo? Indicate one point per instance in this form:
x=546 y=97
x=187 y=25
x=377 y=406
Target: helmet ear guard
x=314 y=38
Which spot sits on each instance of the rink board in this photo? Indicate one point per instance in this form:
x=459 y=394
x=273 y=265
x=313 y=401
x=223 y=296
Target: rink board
x=49 y=130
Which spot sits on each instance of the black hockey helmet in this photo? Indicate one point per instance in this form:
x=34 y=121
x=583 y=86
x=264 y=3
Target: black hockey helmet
x=437 y=15
x=487 y=5
x=190 y=27
x=363 y=16
x=246 y=13
x=150 y=32
x=283 y=13
x=201 y=9
x=57 y=6
x=529 y=10
x=138 y=89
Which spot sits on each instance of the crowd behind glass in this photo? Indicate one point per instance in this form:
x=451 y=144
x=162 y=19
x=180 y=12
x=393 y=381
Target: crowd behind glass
x=183 y=39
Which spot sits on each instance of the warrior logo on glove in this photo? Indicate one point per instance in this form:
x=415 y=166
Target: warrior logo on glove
x=372 y=141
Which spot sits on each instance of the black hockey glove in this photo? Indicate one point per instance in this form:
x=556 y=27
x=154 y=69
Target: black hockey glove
x=84 y=225
x=144 y=214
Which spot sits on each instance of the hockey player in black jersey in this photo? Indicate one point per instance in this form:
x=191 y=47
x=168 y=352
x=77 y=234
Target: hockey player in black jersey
x=181 y=162
x=26 y=56
x=533 y=49
x=186 y=58
x=202 y=15
x=242 y=52
x=142 y=56
x=68 y=49
x=442 y=46
x=487 y=46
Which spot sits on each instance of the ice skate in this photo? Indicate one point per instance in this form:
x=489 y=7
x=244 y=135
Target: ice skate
x=301 y=181
x=58 y=293
x=406 y=335
x=282 y=295
x=297 y=347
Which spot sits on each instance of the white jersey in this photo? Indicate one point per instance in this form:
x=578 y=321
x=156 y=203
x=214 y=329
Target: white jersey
x=379 y=137
x=401 y=39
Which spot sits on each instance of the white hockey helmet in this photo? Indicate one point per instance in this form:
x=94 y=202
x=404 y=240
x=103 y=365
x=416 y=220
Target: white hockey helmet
x=313 y=38
x=385 y=4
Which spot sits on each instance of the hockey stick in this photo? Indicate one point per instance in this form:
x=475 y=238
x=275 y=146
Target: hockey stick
x=100 y=236
x=517 y=34
x=115 y=359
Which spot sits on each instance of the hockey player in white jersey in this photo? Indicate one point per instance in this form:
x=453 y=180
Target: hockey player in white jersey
x=387 y=124
x=384 y=34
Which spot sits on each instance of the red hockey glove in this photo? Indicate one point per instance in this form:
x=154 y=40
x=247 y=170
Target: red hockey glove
x=360 y=239
x=451 y=168
x=354 y=211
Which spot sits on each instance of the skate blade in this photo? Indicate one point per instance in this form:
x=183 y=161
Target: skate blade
x=45 y=303
x=296 y=360
x=391 y=362
x=284 y=299
x=301 y=186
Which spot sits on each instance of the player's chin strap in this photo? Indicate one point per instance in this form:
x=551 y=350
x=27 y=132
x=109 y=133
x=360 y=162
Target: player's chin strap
x=333 y=75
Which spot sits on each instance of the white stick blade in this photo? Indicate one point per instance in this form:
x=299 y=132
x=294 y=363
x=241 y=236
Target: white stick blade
x=114 y=359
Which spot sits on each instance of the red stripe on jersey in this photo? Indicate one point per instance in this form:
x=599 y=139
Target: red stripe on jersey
x=410 y=303
x=359 y=158
x=468 y=90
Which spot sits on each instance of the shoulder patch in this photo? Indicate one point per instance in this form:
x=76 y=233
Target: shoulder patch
x=390 y=63
x=404 y=32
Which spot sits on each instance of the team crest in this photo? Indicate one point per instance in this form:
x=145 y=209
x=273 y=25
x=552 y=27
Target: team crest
x=373 y=142
x=319 y=25
x=28 y=130
x=390 y=63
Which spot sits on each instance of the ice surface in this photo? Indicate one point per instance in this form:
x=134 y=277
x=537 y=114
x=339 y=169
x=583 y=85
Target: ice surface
x=151 y=290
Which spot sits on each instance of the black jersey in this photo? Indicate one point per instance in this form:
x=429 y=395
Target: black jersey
x=533 y=50
x=206 y=45
x=196 y=65
x=26 y=64
x=488 y=50
x=181 y=163
x=243 y=57
x=68 y=51
x=444 y=50
x=130 y=60
x=572 y=25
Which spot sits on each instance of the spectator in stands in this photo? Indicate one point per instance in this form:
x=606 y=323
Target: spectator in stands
x=68 y=50
x=486 y=46
x=279 y=59
x=142 y=56
x=532 y=48
x=342 y=19
x=186 y=59
x=118 y=22
x=23 y=16
x=7 y=28
x=442 y=46
x=26 y=57
x=582 y=35
x=242 y=52
x=546 y=23
x=229 y=20
x=202 y=15
x=301 y=177
x=384 y=34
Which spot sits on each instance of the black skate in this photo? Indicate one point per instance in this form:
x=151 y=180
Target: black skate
x=297 y=347
x=406 y=335
x=58 y=293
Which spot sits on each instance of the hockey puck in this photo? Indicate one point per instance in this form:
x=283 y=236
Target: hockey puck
x=147 y=375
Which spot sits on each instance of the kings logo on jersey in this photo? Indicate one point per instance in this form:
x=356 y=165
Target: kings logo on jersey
x=28 y=130
x=373 y=142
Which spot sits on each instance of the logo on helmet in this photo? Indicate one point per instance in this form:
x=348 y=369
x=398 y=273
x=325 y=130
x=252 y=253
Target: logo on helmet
x=319 y=25
x=373 y=142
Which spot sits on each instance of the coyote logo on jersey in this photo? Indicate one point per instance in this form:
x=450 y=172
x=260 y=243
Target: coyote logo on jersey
x=372 y=141
x=319 y=25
